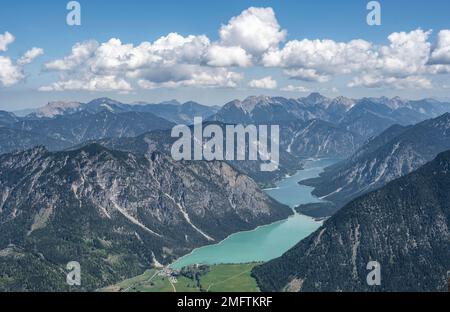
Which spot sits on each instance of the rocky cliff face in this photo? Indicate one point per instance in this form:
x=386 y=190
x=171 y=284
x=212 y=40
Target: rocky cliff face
x=116 y=213
x=318 y=138
x=405 y=226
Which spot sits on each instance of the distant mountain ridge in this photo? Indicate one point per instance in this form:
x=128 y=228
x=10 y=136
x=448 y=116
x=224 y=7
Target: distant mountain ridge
x=313 y=106
x=352 y=114
x=394 y=153
x=53 y=109
x=7 y=118
x=18 y=140
x=90 y=125
x=173 y=111
x=266 y=109
x=313 y=126
x=63 y=131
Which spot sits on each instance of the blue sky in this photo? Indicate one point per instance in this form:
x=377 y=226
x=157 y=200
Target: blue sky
x=42 y=24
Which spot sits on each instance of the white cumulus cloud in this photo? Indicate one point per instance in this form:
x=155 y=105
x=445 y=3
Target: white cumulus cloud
x=12 y=72
x=255 y=30
x=306 y=75
x=95 y=83
x=374 y=81
x=5 y=40
x=30 y=55
x=263 y=83
x=322 y=56
x=254 y=38
x=81 y=52
x=170 y=61
x=441 y=54
x=194 y=77
x=403 y=63
x=292 y=88
x=223 y=56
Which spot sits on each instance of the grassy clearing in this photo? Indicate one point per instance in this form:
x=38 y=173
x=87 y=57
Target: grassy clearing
x=229 y=278
x=216 y=278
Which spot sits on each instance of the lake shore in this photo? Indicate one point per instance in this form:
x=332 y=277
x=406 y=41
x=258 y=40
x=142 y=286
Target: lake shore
x=271 y=240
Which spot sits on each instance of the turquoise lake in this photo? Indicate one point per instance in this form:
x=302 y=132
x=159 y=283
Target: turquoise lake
x=269 y=241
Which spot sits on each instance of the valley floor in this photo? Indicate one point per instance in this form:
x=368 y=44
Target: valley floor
x=216 y=278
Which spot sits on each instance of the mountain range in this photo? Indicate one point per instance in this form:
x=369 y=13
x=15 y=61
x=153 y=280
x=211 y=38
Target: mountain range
x=318 y=138
x=116 y=213
x=341 y=125
x=162 y=141
x=172 y=111
x=394 y=153
x=95 y=183
x=366 y=117
x=404 y=226
x=63 y=131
